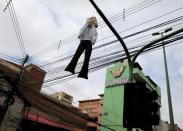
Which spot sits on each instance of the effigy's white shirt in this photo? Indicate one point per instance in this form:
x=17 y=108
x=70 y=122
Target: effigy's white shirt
x=88 y=33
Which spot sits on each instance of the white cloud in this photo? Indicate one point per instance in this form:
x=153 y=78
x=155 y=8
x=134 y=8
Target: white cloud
x=181 y=70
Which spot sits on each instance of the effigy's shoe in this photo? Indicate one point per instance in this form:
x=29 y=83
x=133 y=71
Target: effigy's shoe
x=68 y=69
x=83 y=76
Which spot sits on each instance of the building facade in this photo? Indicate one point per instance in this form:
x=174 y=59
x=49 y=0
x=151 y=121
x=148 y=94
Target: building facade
x=113 y=105
x=165 y=126
x=63 y=97
x=30 y=109
x=93 y=108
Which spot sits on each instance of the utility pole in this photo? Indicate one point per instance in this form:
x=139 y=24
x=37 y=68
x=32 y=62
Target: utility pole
x=167 y=80
x=10 y=99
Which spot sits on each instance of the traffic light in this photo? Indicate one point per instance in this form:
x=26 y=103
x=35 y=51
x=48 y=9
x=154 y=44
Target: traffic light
x=141 y=109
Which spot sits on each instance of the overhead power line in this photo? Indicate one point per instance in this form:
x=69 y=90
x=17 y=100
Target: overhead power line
x=112 y=19
x=10 y=58
x=154 y=27
x=177 y=19
x=8 y=3
x=16 y=27
x=105 y=62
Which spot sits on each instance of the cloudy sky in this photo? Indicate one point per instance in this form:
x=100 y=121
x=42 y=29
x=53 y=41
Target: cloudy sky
x=44 y=23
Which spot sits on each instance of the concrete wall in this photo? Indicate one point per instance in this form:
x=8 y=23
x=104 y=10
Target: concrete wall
x=93 y=108
x=13 y=116
x=64 y=98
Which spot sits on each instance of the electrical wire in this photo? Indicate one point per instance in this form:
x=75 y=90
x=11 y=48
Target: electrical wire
x=63 y=67
x=101 y=65
x=74 y=37
x=10 y=58
x=16 y=27
x=136 y=33
x=148 y=29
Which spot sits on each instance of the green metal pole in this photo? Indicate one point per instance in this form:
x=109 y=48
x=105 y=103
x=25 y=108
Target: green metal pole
x=117 y=36
x=152 y=43
x=168 y=90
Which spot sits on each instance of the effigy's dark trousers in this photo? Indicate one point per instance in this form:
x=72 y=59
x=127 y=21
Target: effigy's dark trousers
x=86 y=46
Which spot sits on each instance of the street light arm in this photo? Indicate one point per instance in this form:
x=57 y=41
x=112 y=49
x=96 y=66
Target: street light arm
x=114 y=31
x=147 y=46
x=154 y=42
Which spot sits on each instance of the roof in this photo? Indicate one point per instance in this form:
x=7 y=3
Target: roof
x=34 y=66
x=89 y=100
x=67 y=115
x=9 y=69
x=151 y=81
x=40 y=117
